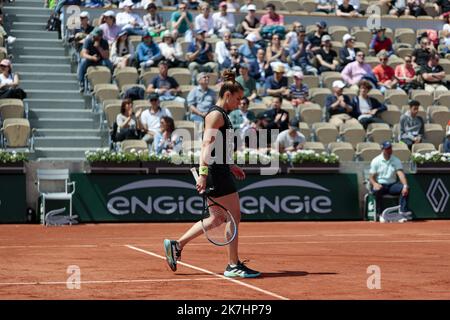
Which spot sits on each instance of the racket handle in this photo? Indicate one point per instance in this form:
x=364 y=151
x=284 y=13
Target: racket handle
x=195 y=174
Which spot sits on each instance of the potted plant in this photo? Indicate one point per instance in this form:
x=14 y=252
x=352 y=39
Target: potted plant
x=10 y=161
x=106 y=158
x=430 y=161
x=310 y=160
x=253 y=160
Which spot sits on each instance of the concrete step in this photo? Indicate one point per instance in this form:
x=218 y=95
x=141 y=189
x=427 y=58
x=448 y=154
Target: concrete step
x=34 y=59
x=47 y=76
x=45 y=43
x=60 y=113
x=68 y=142
x=79 y=153
x=33 y=67
x=28 y=10
x=20 y=17
x=64 y=123
x=40 y=34
x=63 y=103
x=48 y=132
x=54 y=84
x=38 y=51
x=25 y=3
x=29 y=26
x=54 y=94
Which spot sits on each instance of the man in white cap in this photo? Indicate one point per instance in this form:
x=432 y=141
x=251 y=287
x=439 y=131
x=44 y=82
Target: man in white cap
x=327 y=57
x=129 y=20
x=249 y=50
x=339 y=107
x=110 y=29
x=77 y=36
x=277 y=84
x=347 y=53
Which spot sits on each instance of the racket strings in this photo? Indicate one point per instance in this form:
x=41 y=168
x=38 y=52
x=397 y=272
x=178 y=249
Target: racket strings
x=219 y=226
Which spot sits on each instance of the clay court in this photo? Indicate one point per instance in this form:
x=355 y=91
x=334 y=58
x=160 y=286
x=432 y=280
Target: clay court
x=298 y=260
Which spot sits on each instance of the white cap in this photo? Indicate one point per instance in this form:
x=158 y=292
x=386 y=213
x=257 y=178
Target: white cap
x=298 y=74
x=347 y=37
x=109 y=13
x=326 y=37
x=128 y=3
x=251 y=7
x=338 y=84
x=84 y=14
x=252 y=37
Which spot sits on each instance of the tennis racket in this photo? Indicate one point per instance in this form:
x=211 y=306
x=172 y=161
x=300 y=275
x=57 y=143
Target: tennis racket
x=217 y=222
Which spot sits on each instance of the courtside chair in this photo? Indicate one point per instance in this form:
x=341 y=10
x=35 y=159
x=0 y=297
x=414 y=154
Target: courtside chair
x=318 y=147
x=378 y=132
x=96 y=75
x=424 y=97
x=352 y=133
x=102 y=92
x=344 y=150
x=366 y=151
x=125 y=76
x=12 y=108
x=391 y=115
x=148 y=75
x=401 y=151
x=58 y=177
x=136 y=145
x=396 y=97
x=325 y=132
x=310 y=113
x=176 y=108
x=16 y=133
x=422 y=148
x=439 y=115
x=434 y=133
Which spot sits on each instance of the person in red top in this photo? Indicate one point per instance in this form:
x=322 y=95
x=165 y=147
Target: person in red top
x=384 y=73
x=406 y=74
x=381 y=42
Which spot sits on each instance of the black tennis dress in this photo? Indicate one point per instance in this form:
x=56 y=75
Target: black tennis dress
x=219 y=174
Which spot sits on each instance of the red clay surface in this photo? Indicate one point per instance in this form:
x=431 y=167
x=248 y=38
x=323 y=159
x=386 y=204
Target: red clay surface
x=299 y=260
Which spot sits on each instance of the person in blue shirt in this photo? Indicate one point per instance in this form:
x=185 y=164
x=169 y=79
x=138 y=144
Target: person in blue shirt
x=249 y=49
x=147 y=52
x=200 y=56
x=384 y=171
x=277 y=84
x=298 y=51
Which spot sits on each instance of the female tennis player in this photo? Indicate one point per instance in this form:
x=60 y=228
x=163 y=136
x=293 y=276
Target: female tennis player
x=218 y=175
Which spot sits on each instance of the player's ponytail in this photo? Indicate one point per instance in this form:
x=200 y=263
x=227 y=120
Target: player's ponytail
x=229 y=83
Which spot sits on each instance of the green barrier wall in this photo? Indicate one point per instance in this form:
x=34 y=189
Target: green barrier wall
x=173 y=197
x=12 y=198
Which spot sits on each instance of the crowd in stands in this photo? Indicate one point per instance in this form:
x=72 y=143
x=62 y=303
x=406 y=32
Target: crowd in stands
x=285 y=69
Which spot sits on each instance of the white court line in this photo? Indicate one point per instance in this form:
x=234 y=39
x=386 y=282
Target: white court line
x=52 y=246
x=104 y=281
x=213 y=274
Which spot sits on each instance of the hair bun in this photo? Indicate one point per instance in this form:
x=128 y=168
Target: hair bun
x=228 y=75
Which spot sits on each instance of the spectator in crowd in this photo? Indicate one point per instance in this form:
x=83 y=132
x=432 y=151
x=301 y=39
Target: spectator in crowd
x=128 y=123
x=275 y=52
x=315 y=38
x=204 y=21
x=355 y=4
x=298 y=90
x=152 y=20
x=384 y=170
x=292 y=36
x=422 y=55
x=109 y=27
x=326 y=57
x=232 y=6
x=380 y=42
x=446 y=145
x=148 y=53
x=201 y=98
x=412 y=126
x=122 y=51
x=166 y=141
x=242 y=118
x=291 y=139
x=77 y=36
x=272 y=22
x=95 y=52
x=277 y=84
x=248 y=50
x=9 y=82
x=223 y=51
x=3 y=33
x=326 y=6
x=406 y=74
x=366 y=109
x=247 y=82
x=200 y=56
x=182 y=21
x=260 y=69
x=339 y=106
x=357 y=70
x=94 y=3
x=223 y=20
x=442 y=6
x=445 y=35
x=245 y=8
x=346 y=10
x=192 y=4
x=348 y=53
x=279 y=117
x=151 y=118
x=384 y=73
x=299 y=53
x=165 y=86
x=250 y=24
x=397 y=7
x=130 y=20
x=433 y=75
x=416 y=7
x=158 y=3
x=235 y=59
x=172 y=51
